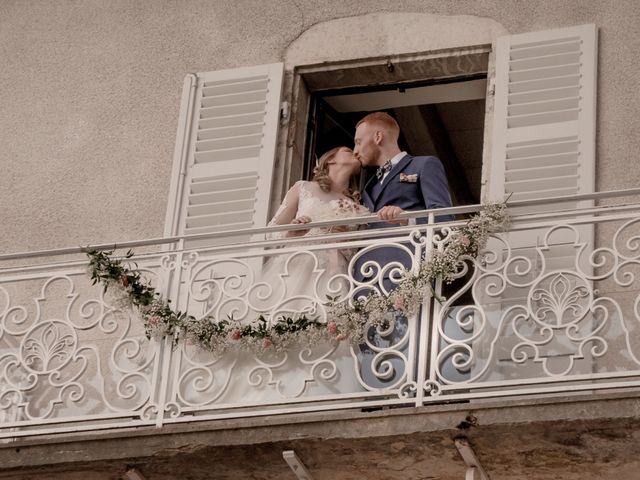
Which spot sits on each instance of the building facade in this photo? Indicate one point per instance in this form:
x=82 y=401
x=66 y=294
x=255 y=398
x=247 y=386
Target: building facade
x=525 y=367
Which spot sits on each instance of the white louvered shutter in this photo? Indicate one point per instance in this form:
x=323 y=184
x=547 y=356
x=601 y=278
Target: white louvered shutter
x=543 y=145
x=544 y=124
x=544 y=114
x=225 y=151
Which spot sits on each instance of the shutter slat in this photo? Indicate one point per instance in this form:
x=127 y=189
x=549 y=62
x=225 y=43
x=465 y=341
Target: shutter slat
x=520 y=46
x=541 y=183
x=541 y=172
x=543 y=106
x=219 y=218
x=235 y=109
x=545 y=61
x=541 y=73
x=536 y=150
x=551 y=192
x=232 y=82
x=545 y=83
x=559 y=116
x=222 y=196
x=544 y=94
x=229 y=142
x=234 y=98
x=222 y=183
x=235 y=87
x=221 y=206
x=232 y=120
x=542 y=161
x=228 y=132
x=240 y=154
x=562 y=47
x=235 y=178
x=218 y=228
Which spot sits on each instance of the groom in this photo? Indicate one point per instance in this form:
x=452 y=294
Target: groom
x=402 y=182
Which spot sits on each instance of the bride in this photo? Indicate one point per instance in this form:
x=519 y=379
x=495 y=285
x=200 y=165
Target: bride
x=298 y=282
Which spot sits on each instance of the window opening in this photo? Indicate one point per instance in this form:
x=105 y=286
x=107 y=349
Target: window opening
x=444 y=118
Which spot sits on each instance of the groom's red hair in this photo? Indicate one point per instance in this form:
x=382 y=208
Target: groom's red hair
x=383 y=120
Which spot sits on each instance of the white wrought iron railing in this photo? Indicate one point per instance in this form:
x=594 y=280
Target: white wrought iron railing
x=552 y=305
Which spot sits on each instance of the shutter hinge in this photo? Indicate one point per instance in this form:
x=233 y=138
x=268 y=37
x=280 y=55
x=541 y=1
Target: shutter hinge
x=492 y=88
x=284 y=112
x=196 y=80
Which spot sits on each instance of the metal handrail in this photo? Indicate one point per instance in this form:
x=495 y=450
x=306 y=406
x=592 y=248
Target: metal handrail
x=322 y=224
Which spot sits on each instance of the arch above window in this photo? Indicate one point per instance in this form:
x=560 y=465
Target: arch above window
x=381 y=34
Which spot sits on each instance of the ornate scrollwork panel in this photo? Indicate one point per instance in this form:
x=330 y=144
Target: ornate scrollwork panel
x=288 y=283
x=541 y=312
x=68 y=349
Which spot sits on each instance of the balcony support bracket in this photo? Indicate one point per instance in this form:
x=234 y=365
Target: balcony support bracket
x=134 y=474
x=296 y=465
x=474 y=469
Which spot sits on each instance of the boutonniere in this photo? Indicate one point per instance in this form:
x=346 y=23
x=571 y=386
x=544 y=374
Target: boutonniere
x=413 y=178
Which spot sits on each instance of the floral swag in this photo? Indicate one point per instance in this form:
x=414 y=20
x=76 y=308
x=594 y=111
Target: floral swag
x=348 y=321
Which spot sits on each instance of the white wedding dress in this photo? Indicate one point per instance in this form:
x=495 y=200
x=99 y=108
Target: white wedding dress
x=296 y=281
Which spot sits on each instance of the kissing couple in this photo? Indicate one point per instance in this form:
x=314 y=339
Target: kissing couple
x=402 y=183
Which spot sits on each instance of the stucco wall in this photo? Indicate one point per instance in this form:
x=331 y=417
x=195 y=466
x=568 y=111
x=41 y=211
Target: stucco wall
x=90 y=92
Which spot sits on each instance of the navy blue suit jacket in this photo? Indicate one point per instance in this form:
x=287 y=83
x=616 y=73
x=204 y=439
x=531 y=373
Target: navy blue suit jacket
x=430 y=190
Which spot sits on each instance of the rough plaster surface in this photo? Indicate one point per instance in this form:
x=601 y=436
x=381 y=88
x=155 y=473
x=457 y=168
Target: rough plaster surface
x=90 y=92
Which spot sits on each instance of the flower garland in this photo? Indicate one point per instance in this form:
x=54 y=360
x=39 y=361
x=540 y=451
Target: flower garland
x=348 y=321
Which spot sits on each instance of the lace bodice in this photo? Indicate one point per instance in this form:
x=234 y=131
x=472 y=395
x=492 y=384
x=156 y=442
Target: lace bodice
x=317 y=205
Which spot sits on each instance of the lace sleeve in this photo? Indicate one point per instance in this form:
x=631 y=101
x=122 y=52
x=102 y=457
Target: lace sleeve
x=286 y=212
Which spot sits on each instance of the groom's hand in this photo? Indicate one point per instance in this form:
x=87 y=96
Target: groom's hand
x=389 y=214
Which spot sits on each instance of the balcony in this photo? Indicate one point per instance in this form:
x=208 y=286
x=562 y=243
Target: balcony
x=550 y=308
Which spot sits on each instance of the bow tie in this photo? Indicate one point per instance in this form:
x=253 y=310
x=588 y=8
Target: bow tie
x=383 y=169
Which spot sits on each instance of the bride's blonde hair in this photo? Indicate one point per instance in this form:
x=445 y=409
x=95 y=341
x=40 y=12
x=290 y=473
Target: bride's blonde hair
x=321 y=176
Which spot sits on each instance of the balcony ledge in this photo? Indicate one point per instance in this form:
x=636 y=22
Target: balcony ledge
x=579 y=435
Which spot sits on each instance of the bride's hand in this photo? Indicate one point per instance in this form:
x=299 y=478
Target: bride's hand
x=299 y=221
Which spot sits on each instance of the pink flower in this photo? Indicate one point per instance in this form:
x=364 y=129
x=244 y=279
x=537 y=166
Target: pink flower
x=154 y=320
x=340 y=337
x=235 y=335
x=464 y=240
x=399 y=303
x=266 y=343
x=332 y=328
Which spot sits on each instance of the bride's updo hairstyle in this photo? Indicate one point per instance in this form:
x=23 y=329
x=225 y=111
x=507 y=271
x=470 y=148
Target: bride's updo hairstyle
x=321 y=176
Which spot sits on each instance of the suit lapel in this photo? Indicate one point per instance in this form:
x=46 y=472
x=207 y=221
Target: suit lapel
x=366 y=193
x=397 y=168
